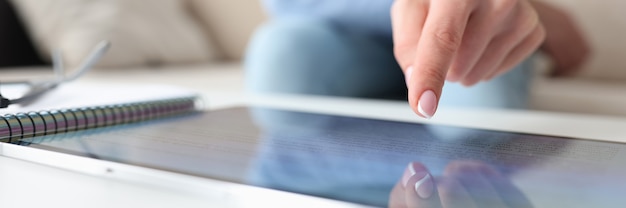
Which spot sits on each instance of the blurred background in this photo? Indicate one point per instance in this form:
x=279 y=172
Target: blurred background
x=212 y=35
x=144 y=32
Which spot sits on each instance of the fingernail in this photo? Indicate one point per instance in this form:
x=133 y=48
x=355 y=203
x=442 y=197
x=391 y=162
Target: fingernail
x=427 y=104
x=408 y=173
x=424 y=187
x=407 y=75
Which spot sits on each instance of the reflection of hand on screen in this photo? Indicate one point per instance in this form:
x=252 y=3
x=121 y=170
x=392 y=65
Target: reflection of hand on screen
x=463 y=184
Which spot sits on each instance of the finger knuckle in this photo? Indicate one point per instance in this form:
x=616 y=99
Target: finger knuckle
x=510 y=4
x=516 y=17
x=528 y=19
x=538 y=36
x=448 y=40
x=467 y=5
x=504 y=7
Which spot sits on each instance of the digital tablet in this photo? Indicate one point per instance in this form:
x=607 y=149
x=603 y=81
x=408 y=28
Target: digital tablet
x=348 y=159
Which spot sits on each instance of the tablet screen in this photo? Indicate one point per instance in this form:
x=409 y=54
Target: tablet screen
x=361 y=160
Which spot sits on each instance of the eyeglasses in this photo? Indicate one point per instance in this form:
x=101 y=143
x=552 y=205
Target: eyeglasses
x=36 y=89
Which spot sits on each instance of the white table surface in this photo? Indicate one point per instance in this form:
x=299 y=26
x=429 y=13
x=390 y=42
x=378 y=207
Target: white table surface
x=26 y=184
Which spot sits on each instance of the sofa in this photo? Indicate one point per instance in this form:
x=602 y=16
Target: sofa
x=600 y=89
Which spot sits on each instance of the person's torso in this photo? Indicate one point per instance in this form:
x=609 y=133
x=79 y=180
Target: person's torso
x=368 y=15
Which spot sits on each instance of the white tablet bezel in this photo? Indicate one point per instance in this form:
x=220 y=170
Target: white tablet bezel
x=238 y=195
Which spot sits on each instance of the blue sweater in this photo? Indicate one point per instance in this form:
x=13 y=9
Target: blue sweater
x=365 y=15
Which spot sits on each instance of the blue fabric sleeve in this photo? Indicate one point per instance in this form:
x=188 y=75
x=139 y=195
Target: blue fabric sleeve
x=368 y=15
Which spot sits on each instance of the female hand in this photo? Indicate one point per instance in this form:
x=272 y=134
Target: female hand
x=463 y=41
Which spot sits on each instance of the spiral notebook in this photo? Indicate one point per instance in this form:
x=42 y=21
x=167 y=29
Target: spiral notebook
x=75 y=107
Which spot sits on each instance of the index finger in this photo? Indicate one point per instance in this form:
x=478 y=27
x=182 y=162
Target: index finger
x=440 y=39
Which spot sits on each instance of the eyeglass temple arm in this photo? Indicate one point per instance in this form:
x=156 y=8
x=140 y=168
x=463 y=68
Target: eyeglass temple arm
x=4 y=102
x=88 y=62
x=40 y=88
x=57 y=64
x=34 y=93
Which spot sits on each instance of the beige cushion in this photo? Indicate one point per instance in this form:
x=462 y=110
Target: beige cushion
x=142 y=32
x=604 y=22
x=230 y=22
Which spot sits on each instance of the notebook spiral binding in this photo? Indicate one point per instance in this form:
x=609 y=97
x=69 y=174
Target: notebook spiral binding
x=21 y=126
